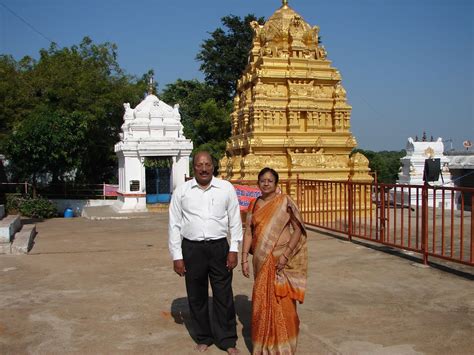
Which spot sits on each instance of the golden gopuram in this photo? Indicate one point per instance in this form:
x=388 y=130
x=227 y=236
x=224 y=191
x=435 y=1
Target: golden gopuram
x=290 y=109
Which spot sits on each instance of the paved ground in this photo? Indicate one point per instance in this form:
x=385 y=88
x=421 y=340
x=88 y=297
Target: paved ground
x=107 y=286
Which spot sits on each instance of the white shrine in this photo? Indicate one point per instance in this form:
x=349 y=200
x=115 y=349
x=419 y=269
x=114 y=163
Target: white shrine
x=412 y=170
x=153 y=129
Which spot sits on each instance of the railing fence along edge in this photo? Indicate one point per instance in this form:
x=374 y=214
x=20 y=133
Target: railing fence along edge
x=389 y=214
x=435 y=221
x=63 y=190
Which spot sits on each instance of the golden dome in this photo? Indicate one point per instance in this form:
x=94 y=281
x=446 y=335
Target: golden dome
x=286 y=28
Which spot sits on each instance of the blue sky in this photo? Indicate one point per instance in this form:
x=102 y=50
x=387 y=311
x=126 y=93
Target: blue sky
x=407 y=65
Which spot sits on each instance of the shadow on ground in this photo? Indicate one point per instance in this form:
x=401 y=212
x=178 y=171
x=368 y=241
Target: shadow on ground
x=243 y=309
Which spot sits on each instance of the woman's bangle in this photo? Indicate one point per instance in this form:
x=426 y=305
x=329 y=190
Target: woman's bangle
x=244 y=262
x=245 y=252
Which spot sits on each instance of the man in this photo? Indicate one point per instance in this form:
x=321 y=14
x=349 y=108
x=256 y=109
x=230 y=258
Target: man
x=202 y=213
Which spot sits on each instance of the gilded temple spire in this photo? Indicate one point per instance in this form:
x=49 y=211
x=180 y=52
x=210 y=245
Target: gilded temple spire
x=290 y=109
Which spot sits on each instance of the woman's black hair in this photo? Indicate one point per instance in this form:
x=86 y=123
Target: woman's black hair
x=268 y=170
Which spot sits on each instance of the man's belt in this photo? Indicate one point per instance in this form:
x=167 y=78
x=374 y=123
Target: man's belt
x=205 y=241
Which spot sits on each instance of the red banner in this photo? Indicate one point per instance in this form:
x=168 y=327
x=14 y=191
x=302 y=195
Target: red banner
x=110 y=190
x=246 y=194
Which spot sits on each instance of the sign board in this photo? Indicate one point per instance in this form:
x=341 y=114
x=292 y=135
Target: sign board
x=246 y=194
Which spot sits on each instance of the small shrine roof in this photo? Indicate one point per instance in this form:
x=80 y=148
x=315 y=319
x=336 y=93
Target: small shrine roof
x=152 y=107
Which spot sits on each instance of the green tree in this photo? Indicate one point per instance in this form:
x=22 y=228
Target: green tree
x=14 y=102
x=189 y=94
x=224 y=56
x=9 y=83
x=205 y=107
x=85 y=81
x=205 y=122
x=212 y=128
x=385 y=163
x=46 y=143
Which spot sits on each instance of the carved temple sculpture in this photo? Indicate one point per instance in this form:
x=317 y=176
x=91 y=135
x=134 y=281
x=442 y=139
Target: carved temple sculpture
x=290 y=109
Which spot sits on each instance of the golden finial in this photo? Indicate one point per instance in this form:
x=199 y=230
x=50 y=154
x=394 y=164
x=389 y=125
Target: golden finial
x=150 y=86
x=284 y=3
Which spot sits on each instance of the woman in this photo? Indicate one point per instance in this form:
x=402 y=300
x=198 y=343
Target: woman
x=276 y=237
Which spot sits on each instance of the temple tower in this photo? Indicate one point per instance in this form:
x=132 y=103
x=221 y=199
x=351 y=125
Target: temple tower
x=290 y=109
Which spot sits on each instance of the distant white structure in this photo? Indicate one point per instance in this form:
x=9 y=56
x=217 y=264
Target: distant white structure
x=461 y=166
x=412 y=169
x=152 y=129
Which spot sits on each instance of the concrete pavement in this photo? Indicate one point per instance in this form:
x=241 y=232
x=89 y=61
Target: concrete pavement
x=107 y=286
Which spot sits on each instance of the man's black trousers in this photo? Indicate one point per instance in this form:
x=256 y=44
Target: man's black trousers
x=204 y=262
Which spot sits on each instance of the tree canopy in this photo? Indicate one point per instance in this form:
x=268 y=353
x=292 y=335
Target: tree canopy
x=206 y=122
x=83 y=85
x=224 y=56
x=205 y=107
x=62 y=113
x=385 y=163
x=48 y=142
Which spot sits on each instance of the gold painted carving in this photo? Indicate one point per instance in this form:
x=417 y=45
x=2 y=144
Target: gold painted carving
x=317 y=160
x=359 y=159
x=290 y=109
x=429 y=152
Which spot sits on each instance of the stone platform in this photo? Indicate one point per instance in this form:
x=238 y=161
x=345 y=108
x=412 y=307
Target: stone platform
x=108 y=212
x=107 y=287
x=15 y=237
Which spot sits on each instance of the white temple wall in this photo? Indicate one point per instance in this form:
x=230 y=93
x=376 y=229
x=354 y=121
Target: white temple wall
x=180 y=169
x=121 y=173
x=135 y=171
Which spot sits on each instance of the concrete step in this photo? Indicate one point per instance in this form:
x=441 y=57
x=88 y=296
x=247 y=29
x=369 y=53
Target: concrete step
x=158 y=207
x=2 y=211
x=6 y=248
x=8 y=227
x=24 y=240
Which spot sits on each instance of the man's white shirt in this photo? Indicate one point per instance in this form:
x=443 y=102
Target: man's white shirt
x=204 y=214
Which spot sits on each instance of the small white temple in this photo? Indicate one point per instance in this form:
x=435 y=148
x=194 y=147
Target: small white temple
x=413 y=165
x=152 y=130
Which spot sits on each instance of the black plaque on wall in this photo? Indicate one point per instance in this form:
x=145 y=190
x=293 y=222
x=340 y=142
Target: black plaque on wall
x=134 y=185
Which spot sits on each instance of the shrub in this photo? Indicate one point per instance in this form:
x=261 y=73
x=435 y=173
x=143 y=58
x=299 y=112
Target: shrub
x=31 y=207
x=13 y=202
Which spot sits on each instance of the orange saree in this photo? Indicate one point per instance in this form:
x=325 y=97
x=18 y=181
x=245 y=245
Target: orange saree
x=275 y=322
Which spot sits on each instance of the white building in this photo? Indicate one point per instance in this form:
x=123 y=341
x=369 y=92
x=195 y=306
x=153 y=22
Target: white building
x=412 y=170
x=153 y=129
x=461 y=166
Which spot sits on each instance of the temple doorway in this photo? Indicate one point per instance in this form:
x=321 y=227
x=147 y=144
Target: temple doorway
x=158 y=179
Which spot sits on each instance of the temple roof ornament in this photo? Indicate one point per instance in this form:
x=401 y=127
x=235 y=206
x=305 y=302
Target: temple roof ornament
x=285 y=27
x=151 y=118
x=150 y=86
x=152 y=107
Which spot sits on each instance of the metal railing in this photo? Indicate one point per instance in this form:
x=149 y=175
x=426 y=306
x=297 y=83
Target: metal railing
x=63 y=190
x=12 y=187
x=433 y=221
